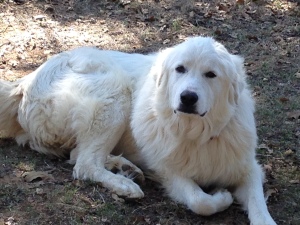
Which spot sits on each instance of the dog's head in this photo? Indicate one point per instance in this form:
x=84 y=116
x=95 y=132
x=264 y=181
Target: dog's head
x=199 y=75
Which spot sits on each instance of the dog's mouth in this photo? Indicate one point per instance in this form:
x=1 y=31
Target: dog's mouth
x=189 y=110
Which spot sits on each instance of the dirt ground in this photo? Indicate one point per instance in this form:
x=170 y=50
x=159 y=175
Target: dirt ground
x=37 y=189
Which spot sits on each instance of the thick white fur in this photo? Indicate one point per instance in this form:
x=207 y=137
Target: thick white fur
x=90 y=103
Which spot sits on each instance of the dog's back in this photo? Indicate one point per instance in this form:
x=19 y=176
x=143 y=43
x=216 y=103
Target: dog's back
x=54 y=106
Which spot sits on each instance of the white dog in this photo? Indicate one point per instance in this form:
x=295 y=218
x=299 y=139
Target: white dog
x=185 y=113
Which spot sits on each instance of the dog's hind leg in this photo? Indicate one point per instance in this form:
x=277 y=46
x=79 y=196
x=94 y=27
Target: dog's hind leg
x=122 y=166
x=91 y=155
x=90 y=165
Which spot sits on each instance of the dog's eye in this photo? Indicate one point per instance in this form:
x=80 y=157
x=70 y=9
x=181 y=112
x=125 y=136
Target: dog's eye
x=180 y=69
x=210 y=74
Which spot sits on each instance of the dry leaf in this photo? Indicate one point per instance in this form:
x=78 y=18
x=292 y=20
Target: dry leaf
x=166 y=41
x=77 y=183
x=268 y=167
x=270 y=192
x=104 y=219
x=264 y=146
x=284 y=99
x=288 y=152
x=297 y=75
x=30 y=199
x=145 y=11
x=223 y=7
x=33 y=176
x=150 y=19
x=294 y=181
x=13 y=63
x=125 y=2
x=294 y=114
x=252 y=37
x=39 y=17
x=117 y=198
x=47 y=52
x=148 y=220
x=233 y=35
x=11 y=221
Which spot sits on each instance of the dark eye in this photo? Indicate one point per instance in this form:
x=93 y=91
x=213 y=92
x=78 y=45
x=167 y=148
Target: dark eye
x=210 y=74
x=180 y=69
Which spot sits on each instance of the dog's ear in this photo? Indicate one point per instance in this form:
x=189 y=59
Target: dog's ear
x=240 y=76
x=238 y=73
x=159 y=75
x=160 y=67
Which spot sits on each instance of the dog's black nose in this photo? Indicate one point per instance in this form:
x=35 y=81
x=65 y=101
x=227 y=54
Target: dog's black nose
x=188 y=98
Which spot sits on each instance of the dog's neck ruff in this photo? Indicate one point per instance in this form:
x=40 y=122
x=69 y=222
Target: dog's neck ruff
x=195 y=127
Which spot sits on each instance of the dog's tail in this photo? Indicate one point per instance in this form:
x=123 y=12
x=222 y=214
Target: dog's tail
x=10 y=97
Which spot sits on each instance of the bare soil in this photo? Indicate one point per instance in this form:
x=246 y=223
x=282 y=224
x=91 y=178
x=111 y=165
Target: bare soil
x=265 y=32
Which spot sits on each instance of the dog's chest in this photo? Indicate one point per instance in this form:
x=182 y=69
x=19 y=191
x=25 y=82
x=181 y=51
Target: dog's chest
x=218 y=161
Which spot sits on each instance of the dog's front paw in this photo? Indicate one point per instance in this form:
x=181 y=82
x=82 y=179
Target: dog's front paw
x=207 y=205
x=223 y=199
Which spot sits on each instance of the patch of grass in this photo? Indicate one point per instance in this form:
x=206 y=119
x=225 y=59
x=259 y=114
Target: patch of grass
x=70 y=194
x=176 y=25
x=10 y=197
x=107 y=210
x=276 y=98
x=26 y=166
